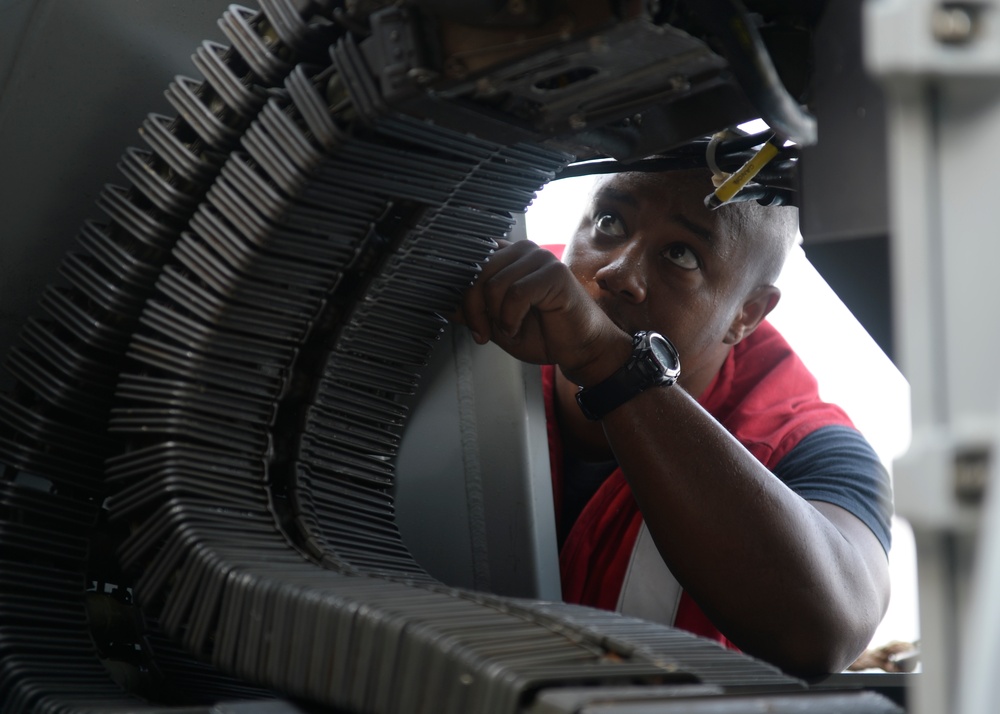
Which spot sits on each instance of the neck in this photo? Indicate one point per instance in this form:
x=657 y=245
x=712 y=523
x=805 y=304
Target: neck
x=697 y=382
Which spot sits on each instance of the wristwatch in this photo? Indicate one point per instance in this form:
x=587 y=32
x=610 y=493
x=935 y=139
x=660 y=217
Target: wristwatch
x=654 y=363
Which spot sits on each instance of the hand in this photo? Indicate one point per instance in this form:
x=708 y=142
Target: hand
x=532 y=306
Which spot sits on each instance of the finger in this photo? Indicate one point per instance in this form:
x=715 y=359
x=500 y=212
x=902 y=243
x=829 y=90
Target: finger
x=475 y=305
x=530 y=282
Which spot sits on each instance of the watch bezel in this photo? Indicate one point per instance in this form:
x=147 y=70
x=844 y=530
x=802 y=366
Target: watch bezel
x=668 y=373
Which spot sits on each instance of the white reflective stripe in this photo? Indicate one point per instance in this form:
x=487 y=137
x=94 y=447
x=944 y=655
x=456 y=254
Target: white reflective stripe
x=650 y=590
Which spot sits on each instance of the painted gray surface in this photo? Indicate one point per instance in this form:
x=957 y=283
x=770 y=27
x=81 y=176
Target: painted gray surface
x=473 y=473
x=78 y=78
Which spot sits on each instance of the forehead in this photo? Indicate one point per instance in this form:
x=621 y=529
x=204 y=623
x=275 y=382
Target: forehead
x=679 y=197
x=683 y=186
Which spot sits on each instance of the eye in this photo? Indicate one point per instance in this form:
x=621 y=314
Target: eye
x=609 y=224
x=681 y=256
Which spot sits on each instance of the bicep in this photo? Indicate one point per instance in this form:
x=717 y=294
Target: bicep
x=841 y=476
x=868 y=570
x=836 y=465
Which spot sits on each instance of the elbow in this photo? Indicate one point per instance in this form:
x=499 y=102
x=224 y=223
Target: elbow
x=823 y=648
x=813 y=662
x=828 y=633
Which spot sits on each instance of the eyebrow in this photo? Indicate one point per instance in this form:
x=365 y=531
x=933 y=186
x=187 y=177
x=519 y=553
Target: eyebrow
x=614 y=194
x=629 y=199
x=699 y=230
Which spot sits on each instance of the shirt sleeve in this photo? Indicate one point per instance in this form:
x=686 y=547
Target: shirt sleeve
x=836 y=464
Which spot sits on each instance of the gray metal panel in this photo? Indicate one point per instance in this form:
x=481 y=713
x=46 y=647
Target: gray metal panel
x=940 y=66
x=843 y=177
x=473 y=495
x=78 y=78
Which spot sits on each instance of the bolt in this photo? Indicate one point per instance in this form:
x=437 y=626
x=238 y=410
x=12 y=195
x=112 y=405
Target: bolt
x=953 y=24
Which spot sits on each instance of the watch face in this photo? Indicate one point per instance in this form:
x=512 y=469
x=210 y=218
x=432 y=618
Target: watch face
x=665 y=354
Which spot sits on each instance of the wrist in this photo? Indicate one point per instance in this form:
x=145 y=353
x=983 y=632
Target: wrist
x=653 y=362
x=614 y=350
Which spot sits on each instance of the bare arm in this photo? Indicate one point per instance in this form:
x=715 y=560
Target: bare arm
x=803 y=585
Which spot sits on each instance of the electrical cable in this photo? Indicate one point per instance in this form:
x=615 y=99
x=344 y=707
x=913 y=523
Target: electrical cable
x=732 y=185
x=729 y=22
x=766 y=175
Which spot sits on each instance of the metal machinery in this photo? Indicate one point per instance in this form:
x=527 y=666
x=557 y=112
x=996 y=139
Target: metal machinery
x=939 y=64
x=204 y=417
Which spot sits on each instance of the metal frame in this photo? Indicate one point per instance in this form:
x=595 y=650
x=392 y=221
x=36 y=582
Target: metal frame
x=940 y=66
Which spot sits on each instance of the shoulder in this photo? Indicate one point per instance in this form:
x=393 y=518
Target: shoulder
x=836 y=464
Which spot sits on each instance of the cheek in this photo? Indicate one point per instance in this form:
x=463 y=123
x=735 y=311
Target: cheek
x=677 y=297
x=583 y=263
x=573 y=254
x=691 y=321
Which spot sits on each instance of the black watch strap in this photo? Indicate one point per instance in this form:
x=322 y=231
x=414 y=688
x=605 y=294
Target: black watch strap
x=654 y=363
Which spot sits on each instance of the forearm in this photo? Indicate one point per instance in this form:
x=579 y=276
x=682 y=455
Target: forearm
x=777 y=577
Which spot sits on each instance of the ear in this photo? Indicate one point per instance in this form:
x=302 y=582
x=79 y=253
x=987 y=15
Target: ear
x=755 y=308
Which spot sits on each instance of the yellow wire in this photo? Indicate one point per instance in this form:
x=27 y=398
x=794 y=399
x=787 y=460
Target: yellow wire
x=732 y=185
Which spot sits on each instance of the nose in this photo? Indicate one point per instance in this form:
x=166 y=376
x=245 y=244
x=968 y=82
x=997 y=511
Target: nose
x=624 y=275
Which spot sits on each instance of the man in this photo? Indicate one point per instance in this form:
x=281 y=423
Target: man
x=797 y=577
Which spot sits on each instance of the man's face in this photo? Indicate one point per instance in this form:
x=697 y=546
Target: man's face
x=654 y=258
